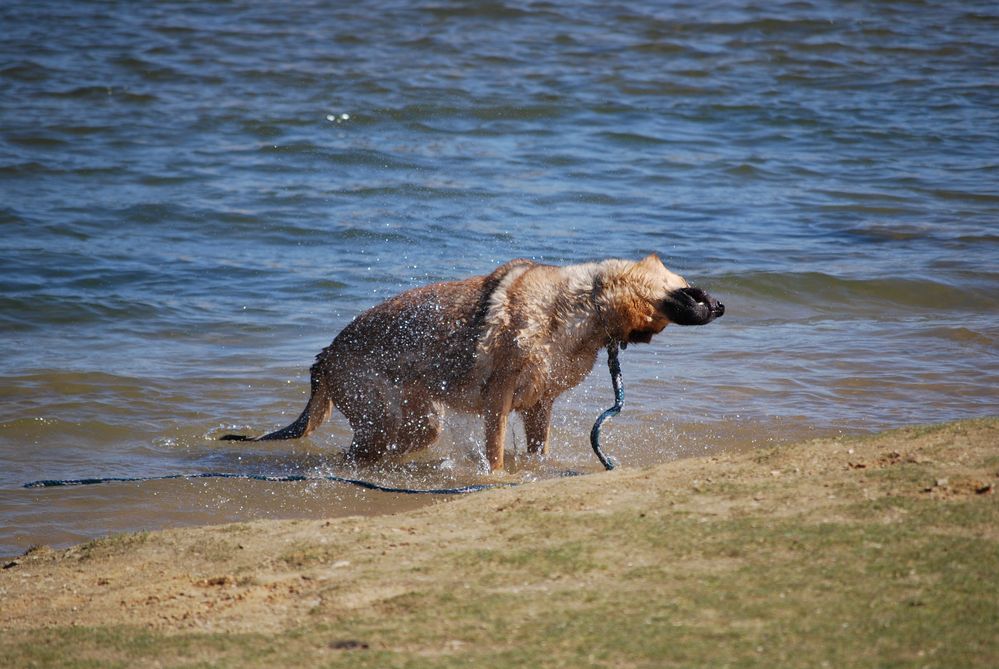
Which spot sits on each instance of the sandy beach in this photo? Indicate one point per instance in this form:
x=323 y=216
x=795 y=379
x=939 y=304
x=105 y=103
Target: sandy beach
x=861 y=551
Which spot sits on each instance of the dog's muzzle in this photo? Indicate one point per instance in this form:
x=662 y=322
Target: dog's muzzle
x=691 y=306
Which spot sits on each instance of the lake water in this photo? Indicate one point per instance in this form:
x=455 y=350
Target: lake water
x=195 y=197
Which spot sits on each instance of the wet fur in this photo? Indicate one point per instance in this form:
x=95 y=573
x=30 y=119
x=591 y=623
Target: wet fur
x=513 y=340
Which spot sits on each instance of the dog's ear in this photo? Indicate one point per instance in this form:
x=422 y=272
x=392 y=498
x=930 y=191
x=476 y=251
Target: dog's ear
x=648 y=266
x=651 y=262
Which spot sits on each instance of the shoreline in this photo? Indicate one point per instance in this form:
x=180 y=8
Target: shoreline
x=782 y=556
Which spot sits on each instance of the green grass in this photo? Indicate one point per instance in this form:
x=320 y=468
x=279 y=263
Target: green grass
x=673 y=591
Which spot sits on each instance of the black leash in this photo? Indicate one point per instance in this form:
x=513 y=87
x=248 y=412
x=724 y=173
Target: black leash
x=615 y=370
x=57 y=483
x=616 y=380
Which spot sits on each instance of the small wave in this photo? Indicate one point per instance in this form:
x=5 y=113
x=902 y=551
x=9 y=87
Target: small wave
x=263 y=129
x=11 y=217
x=26 y=168
x=104 y=93
x=471 y=232
x=823 y=47
x=864 y=196
x=485 y=10
x=663 y=47
x=869 y=210
x=962 y=335
x=156 y=212
x=768 y=26
x=429 y=111
x=526 y=112
x=883 y=233
x=27 y=71
x=926 y=50
x=36 y=141
x=149 y=71
x=827 y=293
x=329 y=285
x=358 y=157
x=40 y=429
x=747 y=171
x=984 y=238
x=43 y=310
x=668 y=88
x=82 y=130
x=172 y=179
x=354 y=233
x=631 y=138
x=417 y=190
x=966 y=196
x=35 y=168
x=284 y=76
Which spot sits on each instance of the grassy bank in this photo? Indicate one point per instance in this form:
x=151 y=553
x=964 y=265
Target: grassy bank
x=862 y=552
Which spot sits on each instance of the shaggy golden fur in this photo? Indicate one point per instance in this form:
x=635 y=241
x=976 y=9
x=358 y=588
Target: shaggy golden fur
x=513 y=340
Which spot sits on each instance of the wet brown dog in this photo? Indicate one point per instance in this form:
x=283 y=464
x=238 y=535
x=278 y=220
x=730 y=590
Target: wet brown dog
x=511 y=341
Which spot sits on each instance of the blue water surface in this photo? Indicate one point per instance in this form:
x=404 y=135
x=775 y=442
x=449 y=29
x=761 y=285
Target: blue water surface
x=196 y=196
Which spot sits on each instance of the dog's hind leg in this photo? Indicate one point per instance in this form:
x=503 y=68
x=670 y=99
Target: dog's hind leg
x=389 y=421
x=371 y=443
x=421 y=423
x=373 y=409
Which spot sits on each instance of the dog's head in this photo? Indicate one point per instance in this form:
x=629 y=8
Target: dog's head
x=644 y=297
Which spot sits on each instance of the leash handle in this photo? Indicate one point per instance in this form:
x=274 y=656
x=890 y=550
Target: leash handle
x=615 y=371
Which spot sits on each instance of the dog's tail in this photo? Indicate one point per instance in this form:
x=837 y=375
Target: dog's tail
x=316 y=411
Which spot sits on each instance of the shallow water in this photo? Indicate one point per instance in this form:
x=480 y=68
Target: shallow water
x=197 y=196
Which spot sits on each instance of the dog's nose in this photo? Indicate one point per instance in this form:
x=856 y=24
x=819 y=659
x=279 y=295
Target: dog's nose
x=718 y=309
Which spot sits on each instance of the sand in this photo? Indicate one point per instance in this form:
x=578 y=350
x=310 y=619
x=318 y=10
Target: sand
x=865 y=551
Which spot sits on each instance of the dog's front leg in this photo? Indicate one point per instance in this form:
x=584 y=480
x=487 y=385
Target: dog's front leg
x=497 y=413
x=537 y=423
